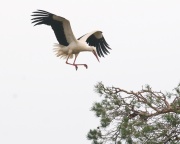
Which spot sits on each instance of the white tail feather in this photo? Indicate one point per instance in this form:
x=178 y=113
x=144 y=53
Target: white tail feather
x=61 y=51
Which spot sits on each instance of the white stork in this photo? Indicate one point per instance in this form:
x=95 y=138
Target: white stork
x=68 y=44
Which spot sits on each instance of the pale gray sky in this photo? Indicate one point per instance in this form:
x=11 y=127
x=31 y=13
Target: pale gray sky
x=45 y=101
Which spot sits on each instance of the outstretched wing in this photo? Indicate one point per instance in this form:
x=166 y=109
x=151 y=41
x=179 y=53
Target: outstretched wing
x=60 y=26
x=97 y=40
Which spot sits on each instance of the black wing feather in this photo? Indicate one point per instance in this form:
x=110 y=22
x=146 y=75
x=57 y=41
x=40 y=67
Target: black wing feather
x=100 y=44
x=44 y=17
x=41 y=11
x=100 y=49
x=104 y=49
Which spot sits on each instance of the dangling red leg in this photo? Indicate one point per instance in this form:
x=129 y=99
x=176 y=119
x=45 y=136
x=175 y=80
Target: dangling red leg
x=76 y=65
x=71 y=64
x=79 y=64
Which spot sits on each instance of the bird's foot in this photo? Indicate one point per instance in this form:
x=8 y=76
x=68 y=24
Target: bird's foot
x=76 y=67
x=85 y=66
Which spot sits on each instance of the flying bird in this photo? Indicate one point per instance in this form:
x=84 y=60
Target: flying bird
x=68 y=45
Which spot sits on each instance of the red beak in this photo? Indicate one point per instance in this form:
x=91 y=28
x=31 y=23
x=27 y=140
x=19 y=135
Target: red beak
x=94 y=52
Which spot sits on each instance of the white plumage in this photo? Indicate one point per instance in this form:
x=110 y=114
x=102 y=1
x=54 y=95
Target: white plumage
x=68 y=44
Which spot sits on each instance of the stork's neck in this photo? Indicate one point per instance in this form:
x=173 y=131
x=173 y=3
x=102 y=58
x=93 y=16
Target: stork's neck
x=88 y=48
x=84 y=46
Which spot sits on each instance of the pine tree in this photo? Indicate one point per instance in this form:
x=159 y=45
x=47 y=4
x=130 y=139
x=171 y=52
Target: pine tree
x=142 y=117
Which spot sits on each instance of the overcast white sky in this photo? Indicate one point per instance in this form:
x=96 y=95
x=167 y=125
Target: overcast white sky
x=45 y=101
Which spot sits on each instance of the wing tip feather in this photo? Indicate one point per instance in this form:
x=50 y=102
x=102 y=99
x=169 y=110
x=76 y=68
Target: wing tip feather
x=102 y=47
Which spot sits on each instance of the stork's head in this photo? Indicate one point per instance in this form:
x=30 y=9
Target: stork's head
x=94 y=52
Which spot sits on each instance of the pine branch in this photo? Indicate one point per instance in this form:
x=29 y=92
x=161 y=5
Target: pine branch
x=146 y=116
